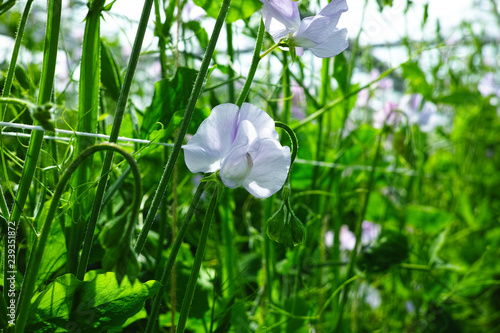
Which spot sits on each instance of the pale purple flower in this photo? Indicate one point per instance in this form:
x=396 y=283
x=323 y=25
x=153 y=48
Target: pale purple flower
x=329 y=238
x=384 y=83
x=487 y=85
x=318 y=33
x=243 y=144
x=369 y=232
x=386 y=116
x=347 y=238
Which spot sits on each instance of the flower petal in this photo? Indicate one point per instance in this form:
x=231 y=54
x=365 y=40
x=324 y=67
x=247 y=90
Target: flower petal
x=213 y=140
x=237 y=164
x=336 y=43
x=262 y=122
x=271 y=163
x=281 y=17
x=334 y=9
x=319 y=28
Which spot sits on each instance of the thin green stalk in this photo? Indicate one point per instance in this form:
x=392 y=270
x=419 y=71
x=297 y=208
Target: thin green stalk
x=200 y=251
x=268 y=254
x=88 y=106
x=198 y=85
x=230 y=55
x=287 y=91
x=253 y=67
x=227 y=235
x=10 y=75
x=35 y=145
x=46 y=84
x=357 y=234
x=15 y=54
x=319 y=206
x=293 y=139
x=4 y=209
x=120 y=110
x=171 y=259
x=325 y=87
x=161 y=39
x=35 y=260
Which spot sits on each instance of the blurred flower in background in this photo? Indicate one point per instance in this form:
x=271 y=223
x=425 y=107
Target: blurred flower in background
x=369 y=233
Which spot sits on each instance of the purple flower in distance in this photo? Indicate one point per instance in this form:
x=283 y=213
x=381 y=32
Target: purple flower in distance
x=318 y=33
x=243 y=144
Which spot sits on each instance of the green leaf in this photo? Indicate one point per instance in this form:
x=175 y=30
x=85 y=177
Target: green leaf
x=55 y=254
x=340 y=71
x=200 y=33
x=391 y=248
x=170 y=96
x=417 y=81
x=111 y=78
x=429 y=219
x=460 y=97
x=92 y=305
x=240 y=9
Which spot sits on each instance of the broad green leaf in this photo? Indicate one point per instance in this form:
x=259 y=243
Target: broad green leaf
x=55 y=254
x=239 y=9
x=92 y=305
x=170 y=96
x=461 y=97
x=391 y=248
x=429 y=219
x=299 y=307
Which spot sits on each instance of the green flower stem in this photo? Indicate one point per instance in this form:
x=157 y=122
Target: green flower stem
x=15 y=54
x=198 y=85
x=171 y=259
x=272 y=48
x=293 y=139
x=268 y=249
x=33 y=266
x=36 y=139
x=200 y=251
x=325 y=87
x=10 y=76
x=46 y=84
x=227 y=236
x=161 y=39
x=4 y=209
x=357 y=233
x=230 y=54
x=253 y=67
x=88 y=106
x=120 y=110
x=287 y=92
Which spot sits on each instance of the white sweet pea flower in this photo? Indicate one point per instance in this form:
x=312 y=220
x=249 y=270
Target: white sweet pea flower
x=243 y=144
x=318 y=33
